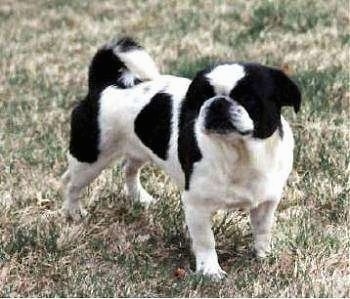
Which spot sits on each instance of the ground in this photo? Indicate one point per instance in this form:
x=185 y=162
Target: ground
x=124 y=250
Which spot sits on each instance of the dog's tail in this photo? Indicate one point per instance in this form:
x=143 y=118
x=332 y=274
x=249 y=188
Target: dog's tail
x=123 y=63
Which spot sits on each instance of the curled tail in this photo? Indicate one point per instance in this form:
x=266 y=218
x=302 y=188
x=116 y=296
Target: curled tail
x=123 y=63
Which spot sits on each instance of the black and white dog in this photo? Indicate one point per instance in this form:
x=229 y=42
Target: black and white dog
x=220 y=137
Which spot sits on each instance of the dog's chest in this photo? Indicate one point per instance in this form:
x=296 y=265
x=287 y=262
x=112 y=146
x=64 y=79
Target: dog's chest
x=237 y=179
x=242 y=186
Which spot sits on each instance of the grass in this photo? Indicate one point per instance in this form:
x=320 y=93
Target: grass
x=121 y=249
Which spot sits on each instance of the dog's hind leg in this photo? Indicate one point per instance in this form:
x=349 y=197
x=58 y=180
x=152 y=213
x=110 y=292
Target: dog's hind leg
x=133 y=187
x=78 y=176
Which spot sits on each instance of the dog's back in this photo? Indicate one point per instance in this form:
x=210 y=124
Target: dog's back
x=122 y=64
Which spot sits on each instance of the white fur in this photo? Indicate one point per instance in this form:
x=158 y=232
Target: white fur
x=244 y=171
x=235 y=171
x=139 y=62
x=224 y=77
x=241 y=119
x=127 y=78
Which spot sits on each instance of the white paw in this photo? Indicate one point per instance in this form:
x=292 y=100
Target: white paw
x=261 y=249
x=261 y=253
x=207 y=264
x=74 y=212
x=214 y=272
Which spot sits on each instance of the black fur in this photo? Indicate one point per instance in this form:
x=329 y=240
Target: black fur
x=127 y=44
x=85 y=132
x=255 y=92
x=188 y=152
x=153 y=124
x=287 y=92
x=262 y=92
x=105 y=70
x=218 y=117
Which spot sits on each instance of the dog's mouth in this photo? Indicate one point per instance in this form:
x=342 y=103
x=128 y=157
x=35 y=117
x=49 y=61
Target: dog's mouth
x=226 y=131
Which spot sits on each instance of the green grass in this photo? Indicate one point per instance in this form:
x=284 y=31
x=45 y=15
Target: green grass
x=122 y=249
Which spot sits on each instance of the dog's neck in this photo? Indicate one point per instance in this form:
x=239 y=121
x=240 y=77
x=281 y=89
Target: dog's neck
x=255 y=153
x=262 y=152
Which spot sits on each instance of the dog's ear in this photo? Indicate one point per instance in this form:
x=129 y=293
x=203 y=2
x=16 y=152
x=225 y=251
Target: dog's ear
x=287 y=92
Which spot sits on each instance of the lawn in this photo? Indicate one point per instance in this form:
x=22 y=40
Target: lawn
x=121 y=249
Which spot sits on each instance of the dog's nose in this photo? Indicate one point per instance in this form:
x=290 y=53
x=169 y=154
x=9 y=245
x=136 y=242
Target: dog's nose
x=217 y=117
x=220 y=104
x=222 y=99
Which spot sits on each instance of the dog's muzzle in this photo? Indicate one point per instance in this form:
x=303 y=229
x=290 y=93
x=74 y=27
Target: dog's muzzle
x=222 y=115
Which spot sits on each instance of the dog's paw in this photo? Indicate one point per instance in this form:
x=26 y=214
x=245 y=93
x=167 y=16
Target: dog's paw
x=210 y=267
x=213 y=272
x=74 y=213
x=261 y=250
x=261 y=253
x=261 y=245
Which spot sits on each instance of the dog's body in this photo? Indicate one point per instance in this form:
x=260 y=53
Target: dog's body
x=213 y=142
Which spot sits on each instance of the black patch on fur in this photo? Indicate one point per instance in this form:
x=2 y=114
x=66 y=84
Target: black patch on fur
x=85 y=132
x=198 y=92
x=127 y=44
x=153 y=124
x=261 y=93
x=287 y=93
x=218 y=117
x=107 y=69
x=255 y=93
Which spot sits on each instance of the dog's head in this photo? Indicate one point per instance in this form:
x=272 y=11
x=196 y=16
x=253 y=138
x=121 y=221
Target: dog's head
x=243 y=99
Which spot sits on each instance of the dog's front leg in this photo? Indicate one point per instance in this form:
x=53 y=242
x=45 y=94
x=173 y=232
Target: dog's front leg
x=198 y=220
x=262 y=218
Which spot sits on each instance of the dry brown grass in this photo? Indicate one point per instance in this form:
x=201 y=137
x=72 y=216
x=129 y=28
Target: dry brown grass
x=122 y=250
